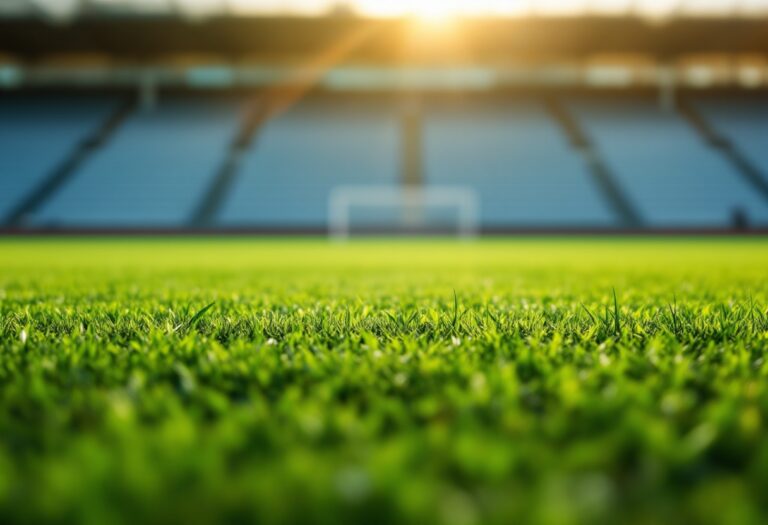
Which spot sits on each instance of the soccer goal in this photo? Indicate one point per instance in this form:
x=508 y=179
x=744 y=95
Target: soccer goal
x=403 y=209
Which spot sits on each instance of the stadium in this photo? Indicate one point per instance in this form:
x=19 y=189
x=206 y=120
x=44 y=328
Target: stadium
x=383 y=261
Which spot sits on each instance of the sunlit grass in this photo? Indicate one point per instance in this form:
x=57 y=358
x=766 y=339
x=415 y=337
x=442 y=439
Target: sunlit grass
x=539 y=380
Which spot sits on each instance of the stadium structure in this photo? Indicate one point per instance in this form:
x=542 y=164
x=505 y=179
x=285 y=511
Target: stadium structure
x=180 y=342
x=117 y=120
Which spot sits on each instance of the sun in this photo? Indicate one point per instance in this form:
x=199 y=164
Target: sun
x=434 y=11
x=428 y=11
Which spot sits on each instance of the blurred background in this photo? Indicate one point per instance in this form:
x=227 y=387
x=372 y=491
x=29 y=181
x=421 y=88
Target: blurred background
x=383 y=116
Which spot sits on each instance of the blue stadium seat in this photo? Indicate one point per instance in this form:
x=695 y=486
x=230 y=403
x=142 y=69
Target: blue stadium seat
x=744 y=122
x=37 y=134
x=517 y=160
x=674 y=178
x=299 y=157
x=153 y=172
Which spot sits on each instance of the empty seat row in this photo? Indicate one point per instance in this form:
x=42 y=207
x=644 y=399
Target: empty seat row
x=517 y=159
x=152 y=173
x=157 y=167
x=298 y=158
x=674 y=178
x=38 y=134
x=744 y=122
x=511 y=155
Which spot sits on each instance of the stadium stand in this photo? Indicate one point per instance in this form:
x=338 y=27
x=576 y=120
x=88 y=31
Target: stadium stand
x=556 y=123
x=154 y=170
x=38 y=135
x=520 y=163
x=743 y=121
x=675 y=178
x=298 y=158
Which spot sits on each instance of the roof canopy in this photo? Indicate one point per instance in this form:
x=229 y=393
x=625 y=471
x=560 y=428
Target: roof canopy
x=384 y=41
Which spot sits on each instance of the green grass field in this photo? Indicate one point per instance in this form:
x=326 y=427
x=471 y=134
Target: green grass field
x=297 y=381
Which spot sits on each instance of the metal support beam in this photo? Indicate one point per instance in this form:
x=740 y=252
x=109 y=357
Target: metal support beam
x=667 y=88
x=411 y=167
x=148 y=92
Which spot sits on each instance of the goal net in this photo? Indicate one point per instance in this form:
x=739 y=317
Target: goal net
x=393 y=209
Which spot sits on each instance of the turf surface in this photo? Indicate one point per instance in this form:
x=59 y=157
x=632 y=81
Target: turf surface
x=536 y=381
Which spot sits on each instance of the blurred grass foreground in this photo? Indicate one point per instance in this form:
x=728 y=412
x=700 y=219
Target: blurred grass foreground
x=297 y=381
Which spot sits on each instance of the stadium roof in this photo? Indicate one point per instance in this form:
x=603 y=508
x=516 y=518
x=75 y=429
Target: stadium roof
x=68 y=9
x=276 y=39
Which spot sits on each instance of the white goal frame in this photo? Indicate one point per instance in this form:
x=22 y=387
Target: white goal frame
x=343 y=198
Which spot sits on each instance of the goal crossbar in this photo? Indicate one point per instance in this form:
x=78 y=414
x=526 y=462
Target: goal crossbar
x=344 y=198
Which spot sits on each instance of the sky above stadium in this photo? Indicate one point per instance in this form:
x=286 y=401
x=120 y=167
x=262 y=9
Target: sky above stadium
x=423 y=8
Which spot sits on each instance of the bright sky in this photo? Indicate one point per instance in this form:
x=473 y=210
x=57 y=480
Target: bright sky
x=434 y=8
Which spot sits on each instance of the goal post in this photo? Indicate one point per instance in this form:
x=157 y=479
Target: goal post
x=412 y=203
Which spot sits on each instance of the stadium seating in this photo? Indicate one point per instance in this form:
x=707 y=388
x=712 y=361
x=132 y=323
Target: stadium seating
x=743 y=121
x=518 y=161
x=675 y=178
x=157 y=167
x=37 y=134
x=153 y=172
x=297 y=159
